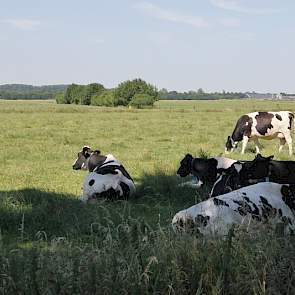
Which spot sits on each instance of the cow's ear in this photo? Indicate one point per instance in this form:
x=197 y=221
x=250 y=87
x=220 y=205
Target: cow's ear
x=97 y=152
x=285 y=191
x=270 y=157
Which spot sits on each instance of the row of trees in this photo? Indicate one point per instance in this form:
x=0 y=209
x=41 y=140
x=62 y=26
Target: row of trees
x=135 y=93
x=199 y=95
x=21 y=91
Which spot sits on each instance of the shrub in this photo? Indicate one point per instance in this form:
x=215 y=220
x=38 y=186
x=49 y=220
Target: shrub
x=59 y=97
x=106 y=98
x=126 y=91
x=142 y=100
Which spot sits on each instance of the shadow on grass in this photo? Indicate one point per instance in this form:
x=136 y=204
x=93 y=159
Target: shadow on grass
x=27 y=212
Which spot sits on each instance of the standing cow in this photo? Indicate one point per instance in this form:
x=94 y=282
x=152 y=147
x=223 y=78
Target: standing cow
x=266 y=125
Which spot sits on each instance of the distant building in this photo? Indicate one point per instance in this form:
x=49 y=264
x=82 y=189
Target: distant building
x=285 y=96
x=255 y=95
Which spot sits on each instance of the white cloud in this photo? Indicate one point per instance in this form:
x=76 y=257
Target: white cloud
x=235 y=5
x=22 y=24
x=171 y=16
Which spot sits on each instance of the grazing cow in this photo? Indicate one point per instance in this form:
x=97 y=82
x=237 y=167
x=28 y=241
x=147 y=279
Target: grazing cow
x=260 y=169
x=266 y=125
x=204 y=170
x=103 y=170
x=262 y=202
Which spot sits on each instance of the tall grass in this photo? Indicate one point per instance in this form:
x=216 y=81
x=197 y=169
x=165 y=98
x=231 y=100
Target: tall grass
x=50 y=243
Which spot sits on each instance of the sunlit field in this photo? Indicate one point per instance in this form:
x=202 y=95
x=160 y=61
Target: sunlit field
x=51 y=243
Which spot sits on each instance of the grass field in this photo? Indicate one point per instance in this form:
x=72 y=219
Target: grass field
x=53 y=244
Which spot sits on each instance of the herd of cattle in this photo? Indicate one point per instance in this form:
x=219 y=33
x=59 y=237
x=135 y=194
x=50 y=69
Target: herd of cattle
x=243 y=192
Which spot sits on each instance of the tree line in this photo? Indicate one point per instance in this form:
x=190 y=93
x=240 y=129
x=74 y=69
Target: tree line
x=199 y=95
x=137 y=93
x=21 y=91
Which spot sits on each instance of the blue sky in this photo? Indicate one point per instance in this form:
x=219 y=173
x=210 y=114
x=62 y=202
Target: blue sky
x=235 y=45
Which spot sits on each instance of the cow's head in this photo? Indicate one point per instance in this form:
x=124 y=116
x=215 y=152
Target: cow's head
x=185 y=166
x=288 y=193
x=230 y=145
x=255 y=170
x=82 y=159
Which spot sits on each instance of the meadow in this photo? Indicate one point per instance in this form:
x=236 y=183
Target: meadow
x=51 y=243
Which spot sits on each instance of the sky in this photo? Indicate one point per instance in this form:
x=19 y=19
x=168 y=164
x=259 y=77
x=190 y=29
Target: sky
x=232 y=45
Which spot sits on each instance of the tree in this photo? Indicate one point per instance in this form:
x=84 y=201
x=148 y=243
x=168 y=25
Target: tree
x=126 y=90
x=89 y=91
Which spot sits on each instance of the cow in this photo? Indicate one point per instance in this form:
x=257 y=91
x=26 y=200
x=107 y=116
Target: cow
x=204 y=170
x=260 y=169
x=264 y=202
x=266 y=125
x=103 y=168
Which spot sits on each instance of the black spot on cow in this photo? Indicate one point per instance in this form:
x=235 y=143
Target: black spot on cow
x=126 y=190
x=243 y=128
x=291 y=118
x=218 y=202
x=112 y=169
x=244 y=194
x=263 y=122
x=279 y=117
x=110 y=194
x=280 y=212
x=288 y=193
x=267 y=209
x=91 y=182
x=244 y=208
x=201 y=220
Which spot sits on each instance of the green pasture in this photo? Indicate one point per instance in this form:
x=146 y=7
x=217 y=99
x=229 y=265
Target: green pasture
x=50 y=243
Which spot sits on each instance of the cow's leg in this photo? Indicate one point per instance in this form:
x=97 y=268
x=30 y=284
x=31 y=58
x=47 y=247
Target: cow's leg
x=257 y=145
x=288 y=139
x=282 y=143
x=245 y=141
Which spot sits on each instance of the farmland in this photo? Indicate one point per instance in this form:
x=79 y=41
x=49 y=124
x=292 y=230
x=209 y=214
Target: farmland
x=51 y=243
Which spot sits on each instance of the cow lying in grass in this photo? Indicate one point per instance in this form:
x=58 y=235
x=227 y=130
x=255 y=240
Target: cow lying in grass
x=107 y=178
x=259 y=203
x=260 y=169
x=204 y=170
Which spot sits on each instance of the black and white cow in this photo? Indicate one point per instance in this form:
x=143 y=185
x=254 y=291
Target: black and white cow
x=246 y=173
x=259 y=203
x=266 y=125
x=205 y=170
x=105 y=172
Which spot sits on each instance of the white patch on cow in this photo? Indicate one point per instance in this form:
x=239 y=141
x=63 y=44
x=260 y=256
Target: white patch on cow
x=222 y=217
x=224 y=163
x=238 y=167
